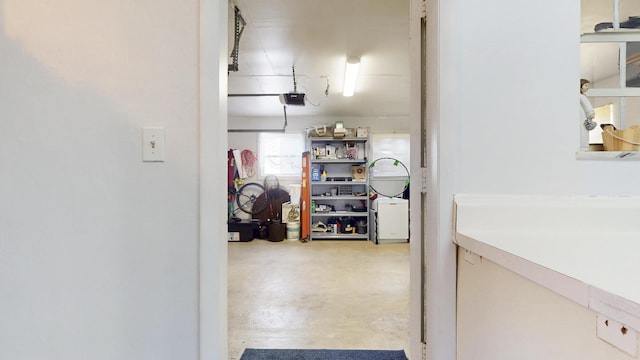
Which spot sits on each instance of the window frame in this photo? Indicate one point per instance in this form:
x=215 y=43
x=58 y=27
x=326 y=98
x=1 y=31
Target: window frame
x=294 y=157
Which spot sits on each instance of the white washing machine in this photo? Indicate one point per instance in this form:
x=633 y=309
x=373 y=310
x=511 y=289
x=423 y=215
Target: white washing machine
x=390 y=217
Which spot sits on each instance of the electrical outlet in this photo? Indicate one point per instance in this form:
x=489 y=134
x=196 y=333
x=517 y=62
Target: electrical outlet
x=617 y=334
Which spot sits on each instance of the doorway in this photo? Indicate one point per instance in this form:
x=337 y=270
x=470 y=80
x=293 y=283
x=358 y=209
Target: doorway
x=213 y=253
x=285 y=315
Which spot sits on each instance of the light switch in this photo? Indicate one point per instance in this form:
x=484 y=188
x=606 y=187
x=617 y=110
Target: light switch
x=153 y=144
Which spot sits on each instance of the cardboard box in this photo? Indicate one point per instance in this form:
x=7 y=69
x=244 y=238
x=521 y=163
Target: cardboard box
x=339 y=133
x=290 y=212
x=294 y=191
x=321 y=131
x=358 y=173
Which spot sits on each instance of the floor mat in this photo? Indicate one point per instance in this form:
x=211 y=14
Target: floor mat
x=321 y=354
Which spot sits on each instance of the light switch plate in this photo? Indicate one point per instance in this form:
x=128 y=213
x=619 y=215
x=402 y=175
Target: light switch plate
x=153 y=144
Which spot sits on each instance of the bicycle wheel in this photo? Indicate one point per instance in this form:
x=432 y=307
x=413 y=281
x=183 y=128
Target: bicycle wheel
x=249 y=200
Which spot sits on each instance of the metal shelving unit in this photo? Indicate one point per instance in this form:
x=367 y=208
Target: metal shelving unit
x=336 y=198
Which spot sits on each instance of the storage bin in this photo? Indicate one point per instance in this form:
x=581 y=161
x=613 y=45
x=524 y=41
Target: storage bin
x=293 y=231
x=277 y=232
x=244 y=230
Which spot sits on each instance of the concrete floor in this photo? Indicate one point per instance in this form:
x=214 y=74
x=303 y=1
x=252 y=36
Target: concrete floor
x=321 y=294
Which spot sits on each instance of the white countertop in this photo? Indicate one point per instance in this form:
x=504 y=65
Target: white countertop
x=592 y=260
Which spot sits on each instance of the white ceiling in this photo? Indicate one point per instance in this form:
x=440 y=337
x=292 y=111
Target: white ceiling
x=316 y=37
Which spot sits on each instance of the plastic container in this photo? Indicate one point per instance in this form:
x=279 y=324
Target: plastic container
x=277 y=232
x=315 y=174
x=293 y=231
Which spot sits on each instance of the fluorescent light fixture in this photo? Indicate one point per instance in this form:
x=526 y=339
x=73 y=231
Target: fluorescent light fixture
x=350 y=76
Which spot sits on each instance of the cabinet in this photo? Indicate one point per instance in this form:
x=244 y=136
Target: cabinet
x=339 y=188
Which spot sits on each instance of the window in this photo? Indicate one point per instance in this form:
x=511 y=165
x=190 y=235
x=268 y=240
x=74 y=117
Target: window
x=609 y=33
x=604 y=115
x=280 y=154
x=609 y=59
x=389 y=164
x=395 y=146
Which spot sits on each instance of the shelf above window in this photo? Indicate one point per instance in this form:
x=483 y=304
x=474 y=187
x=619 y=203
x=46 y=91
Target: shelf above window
x=611 y=36
x=614 y=92
x=608 y=155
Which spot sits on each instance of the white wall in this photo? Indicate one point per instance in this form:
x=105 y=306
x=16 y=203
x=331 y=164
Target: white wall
x=98 y=250
x=516 y=95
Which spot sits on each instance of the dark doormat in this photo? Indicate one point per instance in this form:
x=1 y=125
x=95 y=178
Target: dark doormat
x=308 y=354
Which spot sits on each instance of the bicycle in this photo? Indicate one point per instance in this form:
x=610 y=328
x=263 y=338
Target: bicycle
x=249 y=200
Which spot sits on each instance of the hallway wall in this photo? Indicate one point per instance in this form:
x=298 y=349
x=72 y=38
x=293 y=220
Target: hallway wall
x=98 y=250
x=511 y=127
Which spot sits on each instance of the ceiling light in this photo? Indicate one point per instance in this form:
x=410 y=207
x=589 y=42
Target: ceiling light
x=350 y=76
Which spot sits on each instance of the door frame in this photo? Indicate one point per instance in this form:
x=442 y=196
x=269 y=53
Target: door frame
x=212 y=132
x=432 y=253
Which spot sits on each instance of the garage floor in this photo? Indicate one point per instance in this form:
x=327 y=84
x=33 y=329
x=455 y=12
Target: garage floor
x=321 y=294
